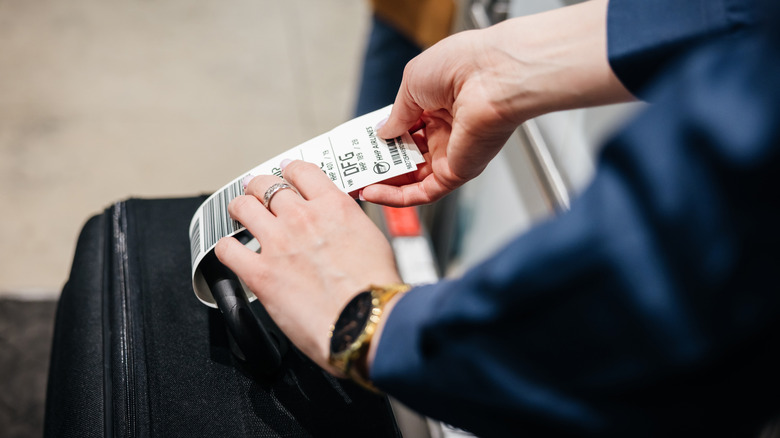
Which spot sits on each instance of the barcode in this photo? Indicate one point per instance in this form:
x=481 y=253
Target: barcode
x=217 y=222
x=394 y=150
x=195 y=240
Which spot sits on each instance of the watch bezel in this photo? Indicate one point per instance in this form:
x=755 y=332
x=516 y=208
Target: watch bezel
x=339 y=345
x=351 y=360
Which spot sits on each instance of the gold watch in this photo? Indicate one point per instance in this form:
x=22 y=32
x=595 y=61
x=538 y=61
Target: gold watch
x=351 y=334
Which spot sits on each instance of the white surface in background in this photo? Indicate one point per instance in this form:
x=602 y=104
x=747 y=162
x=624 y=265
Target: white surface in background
x=104 y=100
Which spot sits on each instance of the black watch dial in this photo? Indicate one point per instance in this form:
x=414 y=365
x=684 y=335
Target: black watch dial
x=351 y=322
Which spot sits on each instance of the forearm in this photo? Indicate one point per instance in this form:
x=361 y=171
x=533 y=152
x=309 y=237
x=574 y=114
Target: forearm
x=558 y=61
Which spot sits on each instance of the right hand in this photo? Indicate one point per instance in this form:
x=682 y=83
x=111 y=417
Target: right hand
x=473 y=89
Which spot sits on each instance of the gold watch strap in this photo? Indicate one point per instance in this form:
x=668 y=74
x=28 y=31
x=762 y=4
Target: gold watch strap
x=354 y=362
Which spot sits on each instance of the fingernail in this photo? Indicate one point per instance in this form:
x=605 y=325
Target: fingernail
x=380 y=124
x=360 y=195
x=285 y=162
x=245 y=181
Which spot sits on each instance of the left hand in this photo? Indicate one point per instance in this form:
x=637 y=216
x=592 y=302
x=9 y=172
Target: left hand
x=318 y=250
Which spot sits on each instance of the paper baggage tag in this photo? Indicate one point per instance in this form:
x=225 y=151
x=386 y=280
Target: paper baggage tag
x=351 y=155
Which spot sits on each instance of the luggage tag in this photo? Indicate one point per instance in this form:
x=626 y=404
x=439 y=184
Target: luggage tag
x=351 y=155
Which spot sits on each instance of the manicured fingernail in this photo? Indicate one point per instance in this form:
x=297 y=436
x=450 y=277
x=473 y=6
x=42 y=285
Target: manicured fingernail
x=285 y=162
x=245 y=181
x=360 y=195
x=380 y=124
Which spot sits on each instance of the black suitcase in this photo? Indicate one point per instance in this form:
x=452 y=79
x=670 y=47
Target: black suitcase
x=136 y=354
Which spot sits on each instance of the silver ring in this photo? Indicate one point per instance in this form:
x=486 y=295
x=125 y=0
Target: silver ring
x=269 y=194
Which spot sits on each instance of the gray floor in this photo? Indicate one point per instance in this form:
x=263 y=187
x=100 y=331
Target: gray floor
x=100 y=101
x=25 y=340
x=104 y=100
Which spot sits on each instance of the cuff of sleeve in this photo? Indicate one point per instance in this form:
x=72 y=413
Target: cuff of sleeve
x=642 y=36
x=400 y=354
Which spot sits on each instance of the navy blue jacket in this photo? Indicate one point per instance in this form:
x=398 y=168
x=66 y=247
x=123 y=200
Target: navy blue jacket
x=652 y=308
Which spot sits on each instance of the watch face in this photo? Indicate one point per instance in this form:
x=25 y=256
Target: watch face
x=351 y=322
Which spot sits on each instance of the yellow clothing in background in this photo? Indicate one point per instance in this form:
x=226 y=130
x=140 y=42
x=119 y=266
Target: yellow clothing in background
x=423 y=21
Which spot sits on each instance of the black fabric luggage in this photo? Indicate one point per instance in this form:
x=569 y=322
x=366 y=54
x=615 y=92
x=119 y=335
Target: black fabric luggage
x=136 y=354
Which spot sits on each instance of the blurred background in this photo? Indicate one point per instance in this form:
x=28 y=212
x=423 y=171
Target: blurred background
x=100 y=101
x=104 y=100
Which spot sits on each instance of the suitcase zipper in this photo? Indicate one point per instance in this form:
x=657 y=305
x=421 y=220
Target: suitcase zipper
x=120 y=381
x=126 y=334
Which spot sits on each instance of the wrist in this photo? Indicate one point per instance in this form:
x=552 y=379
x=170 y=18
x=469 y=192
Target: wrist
x=355 y=331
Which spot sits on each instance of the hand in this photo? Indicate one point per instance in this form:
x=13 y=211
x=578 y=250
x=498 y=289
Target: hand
x=318 y=251
x=482 y=84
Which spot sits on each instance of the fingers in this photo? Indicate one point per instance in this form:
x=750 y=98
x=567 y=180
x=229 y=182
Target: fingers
x=309 y=179
x=405 y=113
x=238 y=258
x=279 y=200
x=250 y=212
x=382 y=194
x=465 y=160
x=403 y=196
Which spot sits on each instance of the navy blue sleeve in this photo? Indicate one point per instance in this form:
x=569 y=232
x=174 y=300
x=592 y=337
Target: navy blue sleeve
x=652 y=308
x=644 y=35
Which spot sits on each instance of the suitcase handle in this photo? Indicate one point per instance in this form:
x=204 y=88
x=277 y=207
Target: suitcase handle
x=261 y=344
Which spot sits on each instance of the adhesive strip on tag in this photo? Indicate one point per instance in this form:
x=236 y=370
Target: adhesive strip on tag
x=351 y=155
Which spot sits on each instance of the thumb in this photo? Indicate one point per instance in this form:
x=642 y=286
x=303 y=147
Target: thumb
x=404 y=115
